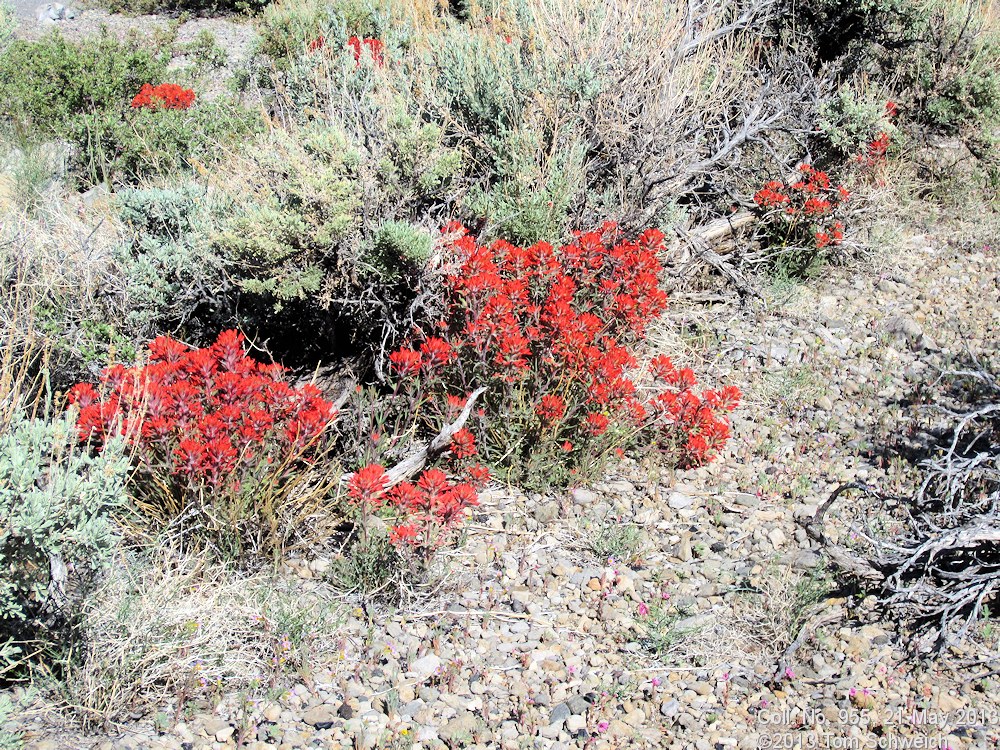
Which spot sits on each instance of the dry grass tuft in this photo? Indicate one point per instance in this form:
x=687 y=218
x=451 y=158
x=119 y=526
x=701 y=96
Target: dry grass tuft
x=755 y=629
x=165 y=630
x=56 y=270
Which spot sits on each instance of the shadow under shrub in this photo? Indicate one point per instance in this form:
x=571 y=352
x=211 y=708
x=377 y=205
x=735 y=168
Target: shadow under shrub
x=321 y=231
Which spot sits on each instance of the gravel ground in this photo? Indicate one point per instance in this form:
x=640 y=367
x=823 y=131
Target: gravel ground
x=671 y=633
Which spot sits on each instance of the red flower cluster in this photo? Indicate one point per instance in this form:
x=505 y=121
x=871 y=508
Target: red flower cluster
x=357 y=45
x=549 y=330
x=770 y=196
x=809 y=204
x=203 y=415
x=163 y=96
x=876 y=154
x=424 y=511
x=375 y=48
x=694 y=419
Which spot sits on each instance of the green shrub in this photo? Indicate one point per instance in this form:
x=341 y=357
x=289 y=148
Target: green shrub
x=288 y=26
x=483 y=82
x=955 y=68
x=853 y=118
x=45 y=84
x=532 y=195
x=397 y=243
x=204 y=7
x=517 y=113
x=81 y=92
x=56 y=502
x=173 y=279
x=8 y=22
x=943 y=56
x=320 y=230
x=417 y=164
x=206 y=52
x=304 y=200
x=166 y=213
x=125 y=145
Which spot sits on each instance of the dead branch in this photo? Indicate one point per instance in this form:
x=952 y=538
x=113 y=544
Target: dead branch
x=808 y=629
x=413 y=463
x=720 y=229
x=748 y=17
x=942 y=568
x=701 y=249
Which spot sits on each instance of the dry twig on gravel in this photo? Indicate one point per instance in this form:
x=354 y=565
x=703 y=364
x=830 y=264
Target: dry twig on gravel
x=943 y=568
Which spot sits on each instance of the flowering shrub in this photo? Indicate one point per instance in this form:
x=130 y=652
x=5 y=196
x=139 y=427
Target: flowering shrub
x=804 y=212
x=357 y=45
x=224 y=446
x=375 y=49
x=876 y=152
x=423 y=512
x=550 y=333
x=163 y=96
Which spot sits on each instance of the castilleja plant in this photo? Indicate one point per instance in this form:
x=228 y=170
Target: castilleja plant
x=225 y=450
x=552 y=333
x=163 y=96
x=359 y=48
x=805 y=212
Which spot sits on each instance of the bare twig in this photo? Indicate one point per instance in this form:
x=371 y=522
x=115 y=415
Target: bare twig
x=413 y=463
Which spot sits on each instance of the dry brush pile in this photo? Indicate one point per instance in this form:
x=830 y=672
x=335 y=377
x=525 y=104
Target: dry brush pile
x=937 y=566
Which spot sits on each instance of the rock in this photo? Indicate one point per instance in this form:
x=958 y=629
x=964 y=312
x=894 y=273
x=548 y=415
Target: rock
x=578 y=704
x=49 y=13
x=214 y=725
x=412 y=708
x=345 y=711
x=271 y=712
x=462 y=727
x=824 y=403
x=94 y=195
x=679 y=501
x=575 y=723
x=559 y=714
x=426 y=666
x=322 y=716
x=702 y=688
x=683 y=550
x=547 y=512
x=670 y=708
x=583 y=497
x=224 y=735
x=777 y=538
x=904 y=327
x=292 y=739
x=802 y=559
x=949 y=703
